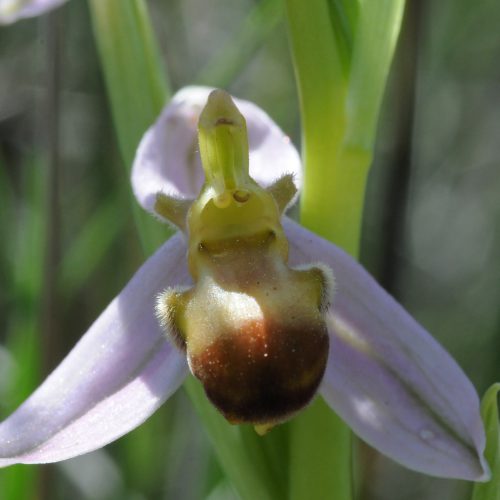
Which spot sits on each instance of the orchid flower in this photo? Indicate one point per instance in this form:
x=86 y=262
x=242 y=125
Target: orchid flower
x=245 y=299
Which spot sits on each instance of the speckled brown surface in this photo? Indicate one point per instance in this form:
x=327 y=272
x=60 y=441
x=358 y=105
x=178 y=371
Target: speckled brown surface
x=264 y=371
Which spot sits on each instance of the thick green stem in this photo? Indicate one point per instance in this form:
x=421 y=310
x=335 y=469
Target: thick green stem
x=320 y=452
x=240 y=452
x=342 y=53
x=334 y=183
x=340 y=102
x=320 y=455
x=333 y=207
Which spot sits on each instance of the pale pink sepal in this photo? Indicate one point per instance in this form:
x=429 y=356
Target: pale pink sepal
x=392 y=383
x=14 y=10
x=117 y=375
x=168 y=159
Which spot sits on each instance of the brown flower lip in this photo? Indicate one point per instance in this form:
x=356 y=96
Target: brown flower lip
x=264 y=371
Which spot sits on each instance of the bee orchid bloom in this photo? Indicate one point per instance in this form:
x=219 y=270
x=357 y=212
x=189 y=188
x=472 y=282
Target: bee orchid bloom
x=243 y=290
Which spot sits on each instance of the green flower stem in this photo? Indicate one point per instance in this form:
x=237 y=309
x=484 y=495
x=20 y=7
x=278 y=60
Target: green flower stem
x=320 y=455
x=240 y=453
x=342 y=51
x=322 y=89
x=138 y=91
x=24 y=235
x=320 y=448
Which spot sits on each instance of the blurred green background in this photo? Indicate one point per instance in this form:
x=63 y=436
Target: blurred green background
x=68 y=243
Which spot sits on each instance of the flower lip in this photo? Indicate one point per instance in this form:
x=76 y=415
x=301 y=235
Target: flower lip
x=263 y=372
x=262 y=350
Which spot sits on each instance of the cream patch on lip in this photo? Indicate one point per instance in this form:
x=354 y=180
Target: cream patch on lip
x=238 y=305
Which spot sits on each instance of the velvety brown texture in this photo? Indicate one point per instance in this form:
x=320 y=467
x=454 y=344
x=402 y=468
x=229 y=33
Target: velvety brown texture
x=264 y=371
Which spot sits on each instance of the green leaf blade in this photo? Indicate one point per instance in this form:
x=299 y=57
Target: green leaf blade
x=489 y=411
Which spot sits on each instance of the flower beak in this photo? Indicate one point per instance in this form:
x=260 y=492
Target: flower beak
x=386 y=376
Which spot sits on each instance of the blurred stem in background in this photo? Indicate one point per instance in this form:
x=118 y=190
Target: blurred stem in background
x=395 y=205
x=35 y=283
x=225 y=65
x=26 y=237
x=50 y=319
x=342 y=52
x=50 y=328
